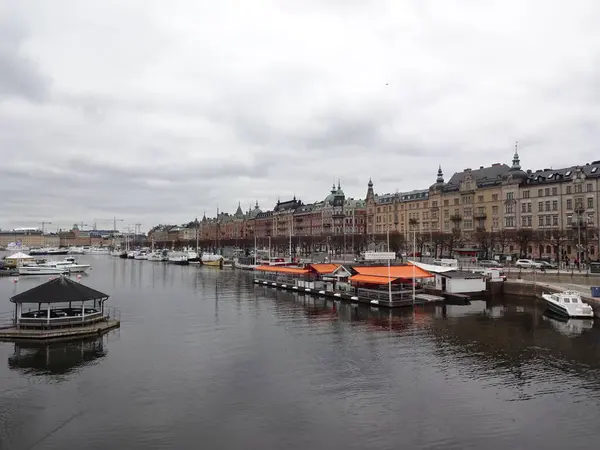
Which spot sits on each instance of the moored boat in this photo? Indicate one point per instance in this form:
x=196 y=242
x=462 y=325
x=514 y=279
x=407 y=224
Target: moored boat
x=48 y=251
x=569 y=304
x=212 y=260
x=69 y=264
x=244 y=263
x=35 y=269
x=179 y=258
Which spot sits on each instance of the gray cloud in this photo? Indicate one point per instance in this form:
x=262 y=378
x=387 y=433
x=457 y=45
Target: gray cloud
x=19 y=75
x=155 y=113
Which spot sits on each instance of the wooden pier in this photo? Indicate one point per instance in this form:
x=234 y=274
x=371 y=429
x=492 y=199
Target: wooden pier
x=399 y=299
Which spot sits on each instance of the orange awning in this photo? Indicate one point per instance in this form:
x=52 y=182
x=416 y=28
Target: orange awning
x=280 y=269
x=371 y=279
x=405 y=271
x=325 y=268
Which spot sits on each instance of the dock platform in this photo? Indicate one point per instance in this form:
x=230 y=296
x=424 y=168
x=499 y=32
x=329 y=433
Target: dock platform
x=420 y=298
x=57 y=334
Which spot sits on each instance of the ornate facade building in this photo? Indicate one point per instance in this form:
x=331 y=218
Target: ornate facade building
x=498 y=209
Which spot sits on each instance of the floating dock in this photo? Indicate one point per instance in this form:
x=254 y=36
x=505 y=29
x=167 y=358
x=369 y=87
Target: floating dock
x=55 y=335
x=420 y=298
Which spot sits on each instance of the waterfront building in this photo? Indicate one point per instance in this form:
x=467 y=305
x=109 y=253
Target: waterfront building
x=29 y=238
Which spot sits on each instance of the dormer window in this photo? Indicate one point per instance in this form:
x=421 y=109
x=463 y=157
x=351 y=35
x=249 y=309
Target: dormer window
x=594 y=169
x=568 y=174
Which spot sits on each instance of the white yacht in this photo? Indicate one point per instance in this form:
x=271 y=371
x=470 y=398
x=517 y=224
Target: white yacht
x=245 y=263
x=568 y=303
x=192 y=256
x=142 y=254
x=179 y=258
x=68 y=265
x=158 y=255
x=130 y=254
x=76 y=251
x=40 y=269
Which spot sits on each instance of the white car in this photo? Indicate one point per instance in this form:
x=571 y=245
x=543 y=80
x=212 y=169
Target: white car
x=527 y=264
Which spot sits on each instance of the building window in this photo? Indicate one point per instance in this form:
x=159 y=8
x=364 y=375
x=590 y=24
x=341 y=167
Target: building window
x=524 y=221
x=495 y=210
x=525 y=194
x=529 y=221
x=524 y=207
x=495 y=222
x=509 y=222
x=446 y=214
x=540 y=192
x=555 y=205
x=547 y=192
x=529 y=207
x=578 y=188
x=554 y=191
x=554 y=221
x=480 y=198
x=568 y=190
x=509 y=195
x=541 y=221
x=446 y=225
x=468 y=212
x=434 y=203
x=446 y=202
x=510 y=209
x=569 y=220
x=456 y=201
x=548 y=206
x=494 y=197
x=590 y=188
x=540 y=206
x=590 y=204
x=569 y=204
x=548 y=220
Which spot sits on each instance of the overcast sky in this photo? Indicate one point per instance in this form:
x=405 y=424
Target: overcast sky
x=156 y=111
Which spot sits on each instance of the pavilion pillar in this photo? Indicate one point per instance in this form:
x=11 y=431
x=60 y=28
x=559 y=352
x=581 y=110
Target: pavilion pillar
x=82 y=311
x=48 y=315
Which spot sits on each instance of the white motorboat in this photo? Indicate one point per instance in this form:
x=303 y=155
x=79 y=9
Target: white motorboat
x=568 y=303
x=192 y=256
x=180 y=258
x=48 y=251
x=76 y=251
x=130 y=254
x=16 y=247
x=35 y=269
x=68 y=265
x=245 y=263
x=142 y=254
x=116 y=252
x=158 y=255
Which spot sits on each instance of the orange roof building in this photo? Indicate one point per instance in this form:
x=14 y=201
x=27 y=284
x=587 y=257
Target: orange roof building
x=381 y=274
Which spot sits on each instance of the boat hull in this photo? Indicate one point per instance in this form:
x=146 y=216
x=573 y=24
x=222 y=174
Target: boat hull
x=217 y=263
x=182 y=262
x=33 y=270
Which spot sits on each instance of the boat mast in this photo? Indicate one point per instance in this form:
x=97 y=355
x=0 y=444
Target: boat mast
x=254 y=246
x=197 y=237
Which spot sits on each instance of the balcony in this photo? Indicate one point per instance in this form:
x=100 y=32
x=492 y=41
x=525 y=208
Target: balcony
x=434 y=208
x=480 y=216
x=456 y=218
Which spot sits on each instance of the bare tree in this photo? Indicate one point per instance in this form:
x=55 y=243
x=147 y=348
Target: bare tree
x=485 y=241
x=438 y=239
x=504 y=238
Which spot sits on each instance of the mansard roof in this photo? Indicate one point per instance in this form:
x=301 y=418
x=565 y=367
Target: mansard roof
x=483 y=177
x=546 y=176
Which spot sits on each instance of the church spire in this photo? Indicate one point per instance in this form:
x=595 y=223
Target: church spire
x=516 y=163
x=440 y=175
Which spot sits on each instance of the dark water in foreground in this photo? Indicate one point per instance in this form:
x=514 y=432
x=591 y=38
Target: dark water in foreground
x=205 y=359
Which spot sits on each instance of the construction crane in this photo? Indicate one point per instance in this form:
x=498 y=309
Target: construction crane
x=43 y=223
x=114 y=220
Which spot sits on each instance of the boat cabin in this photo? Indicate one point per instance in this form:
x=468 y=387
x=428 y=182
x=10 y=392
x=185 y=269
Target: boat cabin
x=459 y=282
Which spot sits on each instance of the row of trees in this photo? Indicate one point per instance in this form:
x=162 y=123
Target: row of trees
x=521 y=242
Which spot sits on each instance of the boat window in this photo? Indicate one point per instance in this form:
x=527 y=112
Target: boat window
x=566 y=300
x=573 y=300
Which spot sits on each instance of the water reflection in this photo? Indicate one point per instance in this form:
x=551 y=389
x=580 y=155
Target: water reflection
x=56 y=358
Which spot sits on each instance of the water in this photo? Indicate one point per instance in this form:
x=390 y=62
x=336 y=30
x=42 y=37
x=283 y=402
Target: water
x=205 y=359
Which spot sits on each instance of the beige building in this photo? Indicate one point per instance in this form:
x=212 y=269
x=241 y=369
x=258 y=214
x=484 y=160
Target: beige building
x=29 y=238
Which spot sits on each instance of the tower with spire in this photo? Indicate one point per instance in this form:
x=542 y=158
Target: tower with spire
x=516 y=163
x=370 y=193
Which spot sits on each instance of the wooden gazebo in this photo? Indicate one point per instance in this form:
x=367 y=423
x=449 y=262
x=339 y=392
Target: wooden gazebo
x=60 y=302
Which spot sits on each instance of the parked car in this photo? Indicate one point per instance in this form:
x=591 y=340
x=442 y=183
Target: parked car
x=547 y=265
x=527 y=264
x=489 y=263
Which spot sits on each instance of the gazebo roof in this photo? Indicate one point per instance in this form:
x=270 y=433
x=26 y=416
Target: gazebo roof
x=58 y=290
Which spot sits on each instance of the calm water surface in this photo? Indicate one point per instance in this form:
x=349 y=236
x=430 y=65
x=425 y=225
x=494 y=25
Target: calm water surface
x=205 y=359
